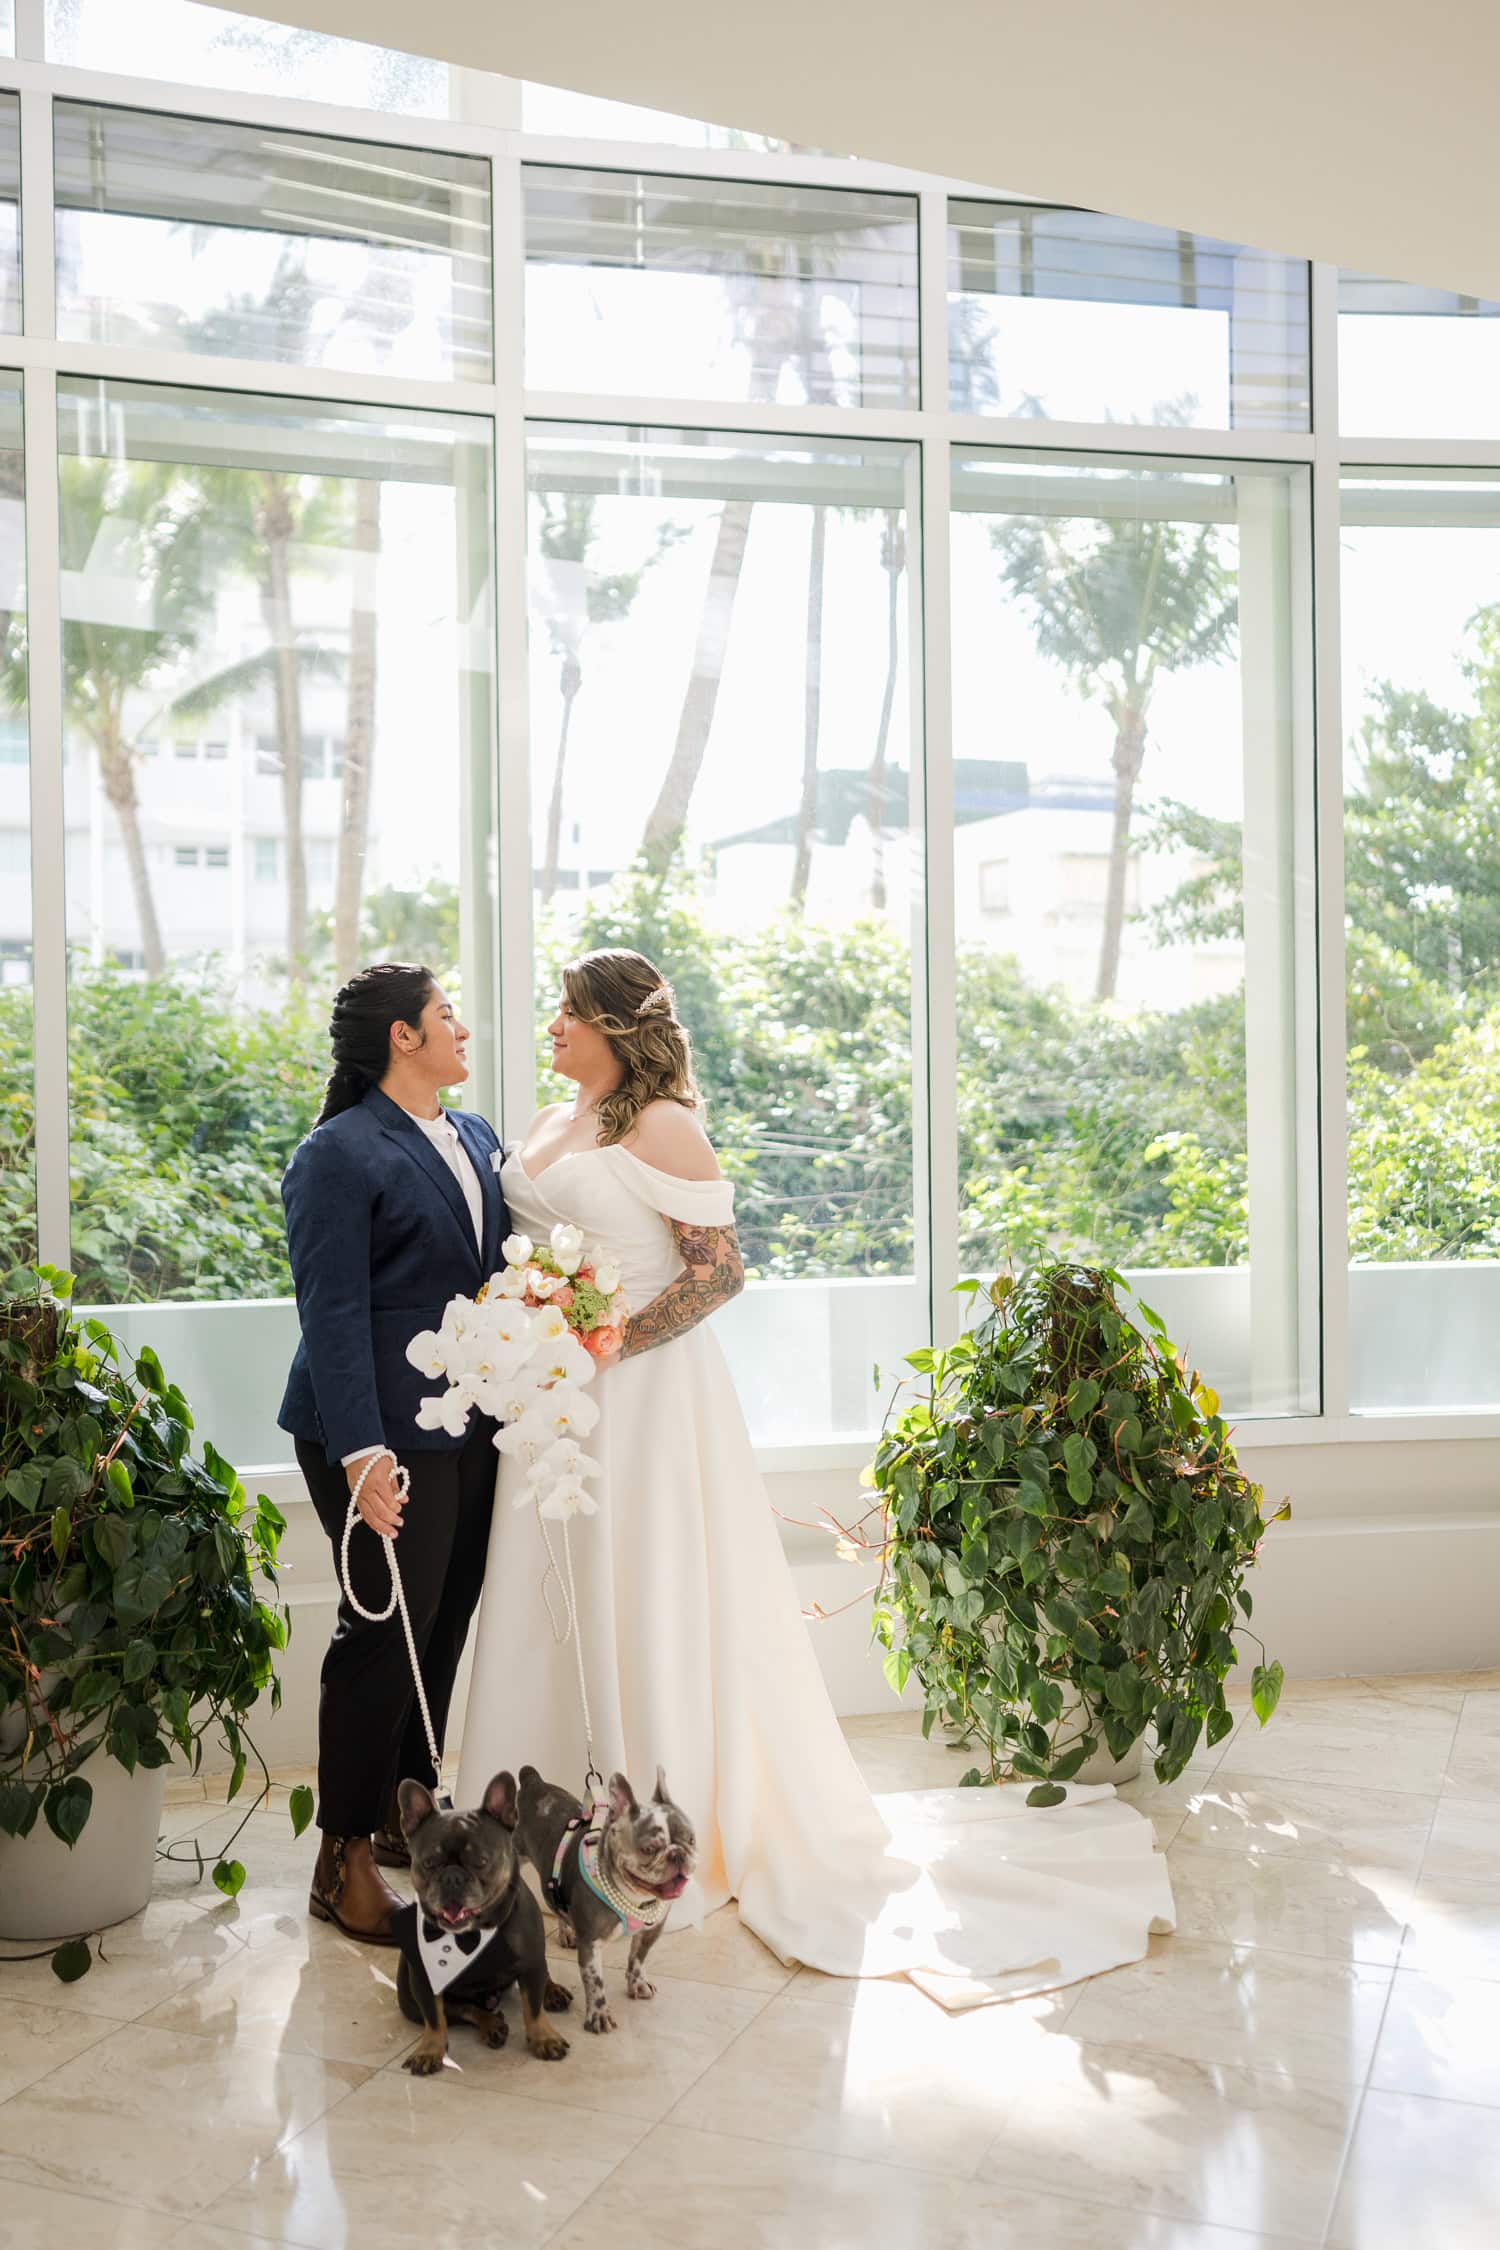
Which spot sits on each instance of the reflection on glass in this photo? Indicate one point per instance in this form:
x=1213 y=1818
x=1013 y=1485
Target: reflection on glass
x=1421 y=625
x=1417 y=362
x=7 y=27
x=276 y=680
x=193 y=45
x=10 y=214
x=230 y=239
x=678 y=288
x=1073 y=316
x=1135 y=1016
x=725 y=776
x=18 y=1245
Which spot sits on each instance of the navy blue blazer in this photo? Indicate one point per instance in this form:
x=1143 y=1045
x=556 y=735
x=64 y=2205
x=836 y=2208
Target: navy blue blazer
x=380 y=1237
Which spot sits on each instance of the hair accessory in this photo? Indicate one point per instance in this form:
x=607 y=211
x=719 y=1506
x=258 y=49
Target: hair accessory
x=661 y=1002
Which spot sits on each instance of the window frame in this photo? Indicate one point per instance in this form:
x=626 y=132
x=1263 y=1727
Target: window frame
x=501 y=943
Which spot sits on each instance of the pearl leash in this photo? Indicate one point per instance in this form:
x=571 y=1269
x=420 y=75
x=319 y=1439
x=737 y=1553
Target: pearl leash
x=568 y=1631
x=402 y=1482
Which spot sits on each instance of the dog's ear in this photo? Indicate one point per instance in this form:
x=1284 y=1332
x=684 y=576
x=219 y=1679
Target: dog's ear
x=500 y=1800
x=416 y=1804
x=662 y=1794
x=622 y=1804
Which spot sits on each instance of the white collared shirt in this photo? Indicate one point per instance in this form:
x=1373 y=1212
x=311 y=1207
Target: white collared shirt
x=443 y=1134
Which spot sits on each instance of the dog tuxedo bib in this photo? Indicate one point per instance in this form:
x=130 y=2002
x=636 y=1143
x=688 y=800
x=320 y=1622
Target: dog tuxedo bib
x=442 y=1955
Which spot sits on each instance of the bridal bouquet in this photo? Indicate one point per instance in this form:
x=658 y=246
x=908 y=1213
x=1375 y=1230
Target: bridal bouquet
x=525 y=1350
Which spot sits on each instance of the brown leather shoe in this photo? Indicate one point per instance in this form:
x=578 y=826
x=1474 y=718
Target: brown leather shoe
x=388 y=1847
x=349 y=1891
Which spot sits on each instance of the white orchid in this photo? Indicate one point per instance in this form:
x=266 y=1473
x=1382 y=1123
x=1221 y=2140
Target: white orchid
x=430 y=1353
x=565 y=1361
x=547 y=1324
x=570 y=1497
x=607 y=1278
x=564 y=1459
x=449 y=1411
x=488 y=1356
x=459 y=1316
x=517 y=1249
x=511 y=1399
x=567 y=1247
x=524 y=1440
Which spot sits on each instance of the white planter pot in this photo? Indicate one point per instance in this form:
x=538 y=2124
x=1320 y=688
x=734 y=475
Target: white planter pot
x=1103 y=1765
x=48 y=1891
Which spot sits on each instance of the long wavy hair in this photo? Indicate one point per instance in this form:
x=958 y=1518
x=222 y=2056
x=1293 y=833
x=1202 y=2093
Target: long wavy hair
x=360 y=1030
x=626 y=997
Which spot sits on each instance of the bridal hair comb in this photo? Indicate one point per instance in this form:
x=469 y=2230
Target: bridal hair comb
x=661 y=1002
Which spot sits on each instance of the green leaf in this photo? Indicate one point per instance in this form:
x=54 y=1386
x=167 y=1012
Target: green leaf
x=67 y=1808
x=300 y=1805
x=229 y=1877
x=897 y=1668
x=236 y=1778
x=1047 y=1793
x=112 y=1538
x=72 y=1961
x=140 y=1661
x=120 y=1483
x=62 y=1525
x=1266 y=1683
x=1220 y=1723
x=973 y=1779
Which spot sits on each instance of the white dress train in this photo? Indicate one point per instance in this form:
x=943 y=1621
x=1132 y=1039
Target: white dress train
x=698 y=1658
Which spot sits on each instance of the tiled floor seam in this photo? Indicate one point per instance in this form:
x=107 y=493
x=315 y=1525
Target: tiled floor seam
x=1337 y=2187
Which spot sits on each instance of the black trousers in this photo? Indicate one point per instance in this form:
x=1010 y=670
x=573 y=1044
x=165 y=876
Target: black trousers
x=370 y=1733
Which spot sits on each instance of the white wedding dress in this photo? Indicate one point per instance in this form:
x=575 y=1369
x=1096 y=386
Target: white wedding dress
x=698 y=1658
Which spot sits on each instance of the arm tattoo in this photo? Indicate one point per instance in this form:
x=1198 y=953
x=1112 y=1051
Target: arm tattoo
x=712 y=1273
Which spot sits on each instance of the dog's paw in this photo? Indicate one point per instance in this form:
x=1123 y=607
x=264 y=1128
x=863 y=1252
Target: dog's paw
x=425 y=2061
x=545 y=2043
x=496 y=2032
x=638 y=1988
x=599 y=2019
x=566 y=1937
x=557 y=1997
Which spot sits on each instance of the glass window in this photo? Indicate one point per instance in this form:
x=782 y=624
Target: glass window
x=1421 y=629
x=1136 y=1012
x=220 y=47
x=1417 y=362
x=7 y=27
x=589 y=117
x=10 y=214
x=1073 y=316
x=262 y=570
x=18 y=1243
x=727 y=775
x=717 y=289
x=198 y=236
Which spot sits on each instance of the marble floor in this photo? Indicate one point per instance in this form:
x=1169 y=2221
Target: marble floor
x=1314 y=2057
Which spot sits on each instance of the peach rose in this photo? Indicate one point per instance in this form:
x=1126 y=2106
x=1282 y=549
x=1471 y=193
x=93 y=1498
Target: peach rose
x=603 y=1343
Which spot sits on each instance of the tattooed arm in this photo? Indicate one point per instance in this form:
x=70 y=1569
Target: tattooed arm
x=712 y=1273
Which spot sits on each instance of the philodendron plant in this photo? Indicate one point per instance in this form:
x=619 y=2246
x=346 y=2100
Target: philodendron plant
x=132 y=1615
x=1066 y=1537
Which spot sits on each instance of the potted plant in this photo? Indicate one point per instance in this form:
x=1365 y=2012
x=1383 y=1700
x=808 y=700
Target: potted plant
x=1065 y=1538
x=131 y=1619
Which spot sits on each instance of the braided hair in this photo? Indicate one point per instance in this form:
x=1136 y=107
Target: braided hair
x=624 y=996
x=360 y=1029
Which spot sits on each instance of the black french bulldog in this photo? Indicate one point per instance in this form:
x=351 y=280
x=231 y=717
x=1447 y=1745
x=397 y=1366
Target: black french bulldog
x=474 y=1930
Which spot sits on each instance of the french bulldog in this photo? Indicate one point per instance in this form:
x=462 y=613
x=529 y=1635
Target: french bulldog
x=474 y=1929
x=645 y=1857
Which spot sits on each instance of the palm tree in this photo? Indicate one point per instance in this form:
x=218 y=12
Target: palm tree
x=567 y=536
x=1118 y=602
x=157 y=524
x=893 y=563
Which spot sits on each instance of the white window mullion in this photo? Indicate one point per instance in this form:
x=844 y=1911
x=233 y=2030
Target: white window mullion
x=1327 y=656
x=515 y=920
x=49 y=948
x=936 y=735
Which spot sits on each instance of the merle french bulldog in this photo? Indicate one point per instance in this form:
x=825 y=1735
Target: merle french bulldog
x=474 y=1930
x=627 y=1880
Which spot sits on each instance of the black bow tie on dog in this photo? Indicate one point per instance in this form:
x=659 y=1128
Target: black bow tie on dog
x=467 y=1941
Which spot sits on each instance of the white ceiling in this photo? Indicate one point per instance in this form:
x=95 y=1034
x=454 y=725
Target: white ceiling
x=1363 y=133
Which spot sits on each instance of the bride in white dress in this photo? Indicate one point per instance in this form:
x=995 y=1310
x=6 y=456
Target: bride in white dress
x=696 y=1653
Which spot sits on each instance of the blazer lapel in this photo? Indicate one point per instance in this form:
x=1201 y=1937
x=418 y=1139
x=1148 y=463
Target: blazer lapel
x=409 y=1137
x=489 y=1188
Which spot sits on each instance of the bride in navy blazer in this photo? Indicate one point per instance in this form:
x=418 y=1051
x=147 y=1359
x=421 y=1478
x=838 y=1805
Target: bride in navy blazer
x=393 y=1206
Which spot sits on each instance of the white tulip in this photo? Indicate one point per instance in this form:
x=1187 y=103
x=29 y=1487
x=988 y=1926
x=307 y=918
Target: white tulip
x=607 y=1278
x=567 y=1247
x=429 y=1352
x=541 y=1284
x=511 y=1283
x=516 y=1249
